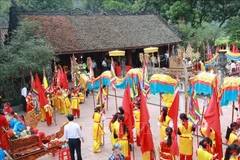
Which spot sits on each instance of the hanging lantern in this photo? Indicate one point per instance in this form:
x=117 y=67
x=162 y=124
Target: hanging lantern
x=151 y=50
x=117 y=53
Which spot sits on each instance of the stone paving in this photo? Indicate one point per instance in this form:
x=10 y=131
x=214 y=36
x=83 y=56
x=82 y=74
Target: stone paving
x=87 y=123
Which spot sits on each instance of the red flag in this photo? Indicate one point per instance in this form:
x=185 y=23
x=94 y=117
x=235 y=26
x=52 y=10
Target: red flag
x=128 y=112
x=218 y=49
x=236 y=49
x=64 y=80
x=212 y=117
x=33 y=84
x=173 y=114
x=145 y=131
x=41 y=95
x=59 y=77
x=233 y=48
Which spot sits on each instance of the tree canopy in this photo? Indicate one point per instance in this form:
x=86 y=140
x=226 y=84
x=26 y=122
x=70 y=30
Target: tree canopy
x=24 y=53
x=232 y=30
x=43 y=4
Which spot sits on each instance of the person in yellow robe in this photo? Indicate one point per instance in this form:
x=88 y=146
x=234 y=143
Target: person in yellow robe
x=81 y=96
x=137 y=121
x=202 y=66
x=67 y=103
x=203 y=151
x=98 y=130
x=60 y=101
x=42 y=112
x=232 y=152
x=75 y=104
x=54 y=100
x=168 y=99
x=203 y=130
x=112 y=126
x=185 y=130
x=231 y=134
x=164 y=121
x=122 y=136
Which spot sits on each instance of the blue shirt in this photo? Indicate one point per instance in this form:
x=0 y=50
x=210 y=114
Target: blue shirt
x=112 y=157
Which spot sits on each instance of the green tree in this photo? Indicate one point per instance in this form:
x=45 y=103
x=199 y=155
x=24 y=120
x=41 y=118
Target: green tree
x=4 y=9
x=119 y=5
x=223 y=10
x=179 y=11
x=45 y=4
x=24 y=53
x=232 y=30
x=207 y=33
x=93 y=5
x=97 y=5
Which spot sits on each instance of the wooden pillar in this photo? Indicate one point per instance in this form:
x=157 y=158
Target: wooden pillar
x=129 y=58
x=169 y=53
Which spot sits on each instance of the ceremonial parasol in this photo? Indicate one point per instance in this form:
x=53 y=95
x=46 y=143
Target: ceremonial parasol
x=117 y=53
x=230 y=92
x=151 y=50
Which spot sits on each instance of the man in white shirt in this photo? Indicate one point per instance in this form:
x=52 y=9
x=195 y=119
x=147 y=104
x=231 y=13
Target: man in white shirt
x=73 y=134
x=104 y=64
x=233 y=67
x=23 y=98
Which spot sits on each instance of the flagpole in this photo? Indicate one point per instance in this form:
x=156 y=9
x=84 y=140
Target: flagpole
x=101 y=103
x=160 y=97
x=94 y=105
x=107 y=98
x=233 y=106
x=200 y=123
x=115 y=94
x=197 y=137
x=133 y=151
x=204 y=55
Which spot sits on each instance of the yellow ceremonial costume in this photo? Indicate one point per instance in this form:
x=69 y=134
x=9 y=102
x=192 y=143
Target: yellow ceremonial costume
x=233 y=138
x=60 y=103
x=147 y=156
x=163 y=126
x=54 y=101
x=212 y=137
x=75 y=105
x=81 y=97
x=97 y=131
x=137 y=125
x=113 y=127
x=202 y=66
x=234 y=158
x=123 y=141
x=186 y=141
x=43 y=114
x=66 y=104
x=168 y=99
x=204 y=155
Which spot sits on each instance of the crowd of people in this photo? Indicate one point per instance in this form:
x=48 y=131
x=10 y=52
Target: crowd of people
x=67 y=102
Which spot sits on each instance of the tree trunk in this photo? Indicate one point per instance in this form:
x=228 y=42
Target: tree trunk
x=14 y=93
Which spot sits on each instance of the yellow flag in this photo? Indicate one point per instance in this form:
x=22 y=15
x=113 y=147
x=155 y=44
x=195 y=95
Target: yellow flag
x=45 y=83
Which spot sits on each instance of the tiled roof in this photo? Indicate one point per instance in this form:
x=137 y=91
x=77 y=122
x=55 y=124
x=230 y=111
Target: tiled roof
x=58 y=31
x=84 y=33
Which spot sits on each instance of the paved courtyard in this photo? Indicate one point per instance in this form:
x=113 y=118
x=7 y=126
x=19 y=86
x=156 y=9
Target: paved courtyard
x=87 y=123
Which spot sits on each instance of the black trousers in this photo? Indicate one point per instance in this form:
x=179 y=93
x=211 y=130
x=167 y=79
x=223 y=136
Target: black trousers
x=24 y=103
x=75 y=144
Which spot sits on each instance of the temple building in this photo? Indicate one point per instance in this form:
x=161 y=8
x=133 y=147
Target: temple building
x=93 y=35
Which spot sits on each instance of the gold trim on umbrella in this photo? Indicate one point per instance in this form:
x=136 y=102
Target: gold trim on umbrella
x=117 y=53
x=151 y=50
